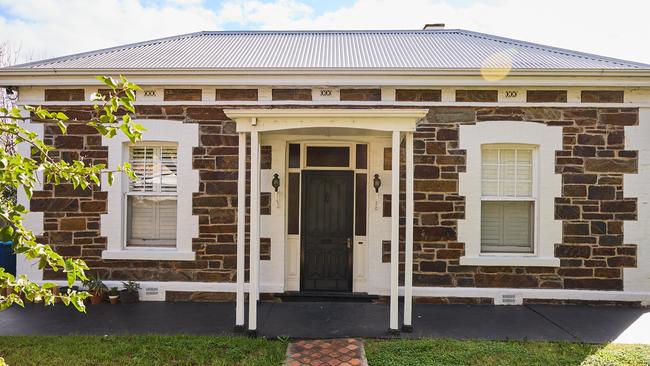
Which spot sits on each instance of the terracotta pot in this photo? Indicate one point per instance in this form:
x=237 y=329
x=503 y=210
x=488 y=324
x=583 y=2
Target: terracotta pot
x=114 y=299
x=96 y=299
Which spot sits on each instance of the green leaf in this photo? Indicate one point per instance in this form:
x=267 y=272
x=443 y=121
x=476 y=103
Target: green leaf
x=94 y=178
x=126 y=103
x=62 y=126
x=109 y=81
x=6 y=233
x=130 y=94
x=96 y=97
x=109 y=177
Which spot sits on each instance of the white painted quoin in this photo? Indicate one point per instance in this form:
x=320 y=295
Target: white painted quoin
x=405 y=126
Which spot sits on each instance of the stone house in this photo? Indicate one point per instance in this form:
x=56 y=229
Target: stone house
x=435 y=165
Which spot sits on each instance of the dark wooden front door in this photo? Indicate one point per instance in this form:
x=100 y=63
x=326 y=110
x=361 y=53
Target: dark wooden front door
x=326 y=230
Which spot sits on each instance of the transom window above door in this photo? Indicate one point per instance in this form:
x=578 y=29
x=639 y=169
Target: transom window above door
x=507 y=199
x=152 y=197
x=328 y=156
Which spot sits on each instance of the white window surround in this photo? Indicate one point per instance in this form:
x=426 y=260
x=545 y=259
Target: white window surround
x=186 y=136
x=547 y=140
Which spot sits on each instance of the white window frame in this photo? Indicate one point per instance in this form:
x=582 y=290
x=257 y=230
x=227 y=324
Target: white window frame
x=547 y=186
x=128 y=193
x=114 y=224
x=533 y=197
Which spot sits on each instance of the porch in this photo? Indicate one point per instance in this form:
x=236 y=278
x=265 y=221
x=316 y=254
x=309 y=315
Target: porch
x=338 y=320
x=328 y=172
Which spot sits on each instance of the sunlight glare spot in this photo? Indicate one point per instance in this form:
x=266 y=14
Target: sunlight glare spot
x=497 y=66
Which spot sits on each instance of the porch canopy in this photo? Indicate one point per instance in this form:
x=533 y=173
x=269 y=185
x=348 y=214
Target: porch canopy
x=396 y=122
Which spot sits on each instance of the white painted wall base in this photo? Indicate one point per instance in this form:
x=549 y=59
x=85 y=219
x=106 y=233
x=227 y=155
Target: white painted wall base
x=495 y=293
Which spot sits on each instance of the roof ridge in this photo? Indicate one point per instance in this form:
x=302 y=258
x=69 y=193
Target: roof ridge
x=281 y=31
x=558 y=50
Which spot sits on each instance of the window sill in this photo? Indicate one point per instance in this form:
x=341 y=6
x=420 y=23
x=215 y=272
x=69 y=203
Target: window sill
x=518 y=261
x=149 y=254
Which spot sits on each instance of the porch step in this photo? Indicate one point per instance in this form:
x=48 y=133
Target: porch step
x=301 y=296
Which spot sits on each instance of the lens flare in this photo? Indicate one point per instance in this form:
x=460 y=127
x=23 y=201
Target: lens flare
x=497 y=66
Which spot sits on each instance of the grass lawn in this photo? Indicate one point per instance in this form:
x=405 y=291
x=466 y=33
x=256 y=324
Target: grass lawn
x=439 y=352
x=141 y=350
x=206 y=350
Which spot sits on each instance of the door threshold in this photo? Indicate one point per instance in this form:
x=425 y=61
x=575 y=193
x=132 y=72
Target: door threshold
x=325 y=296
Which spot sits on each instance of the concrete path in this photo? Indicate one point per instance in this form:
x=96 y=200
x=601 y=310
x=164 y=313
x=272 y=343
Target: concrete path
x=340 y=320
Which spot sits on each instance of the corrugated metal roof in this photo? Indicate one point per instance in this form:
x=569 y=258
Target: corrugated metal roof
x=402 y=49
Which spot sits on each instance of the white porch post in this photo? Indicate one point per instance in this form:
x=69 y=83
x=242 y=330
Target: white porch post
x=241 y=232
x=408 y=263
x=253 y=292
x=394 y=236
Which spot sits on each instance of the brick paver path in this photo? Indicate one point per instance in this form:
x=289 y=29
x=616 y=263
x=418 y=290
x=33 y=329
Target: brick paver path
x=326 y=352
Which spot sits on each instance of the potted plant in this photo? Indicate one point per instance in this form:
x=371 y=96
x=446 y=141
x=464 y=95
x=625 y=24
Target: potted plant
x=64 y=289
x=113 y=295
x=131 y=292
x=97 y=289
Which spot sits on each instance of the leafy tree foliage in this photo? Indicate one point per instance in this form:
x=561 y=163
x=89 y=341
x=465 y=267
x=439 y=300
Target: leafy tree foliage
x=112 y=114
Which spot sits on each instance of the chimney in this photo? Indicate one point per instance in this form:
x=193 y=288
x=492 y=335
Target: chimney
x=431 y=26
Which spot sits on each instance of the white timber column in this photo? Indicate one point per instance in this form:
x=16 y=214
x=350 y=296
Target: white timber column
x=408 y=264
x=241 y=233
x=394 y=237
x=253 y=291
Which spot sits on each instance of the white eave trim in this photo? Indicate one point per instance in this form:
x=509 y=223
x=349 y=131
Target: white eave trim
x=326 y=113
x=303 y=71
x=342 y=77
x=380 y=119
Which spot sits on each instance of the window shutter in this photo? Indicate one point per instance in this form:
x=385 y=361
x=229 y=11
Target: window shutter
x=506 y=226
x=168 y=157
x=167 y=218
x=490 y=172
x=517 y=224
x=507 y=172
x=491 y=223
x=142 y=218
x=152 y=220
x=142 y=163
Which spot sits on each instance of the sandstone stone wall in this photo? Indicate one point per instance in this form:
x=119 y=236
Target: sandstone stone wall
x=593 y=205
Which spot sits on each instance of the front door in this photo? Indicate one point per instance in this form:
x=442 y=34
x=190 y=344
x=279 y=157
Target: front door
x=326 y=230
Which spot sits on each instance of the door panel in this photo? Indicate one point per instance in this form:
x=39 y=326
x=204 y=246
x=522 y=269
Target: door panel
x=327 y=222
